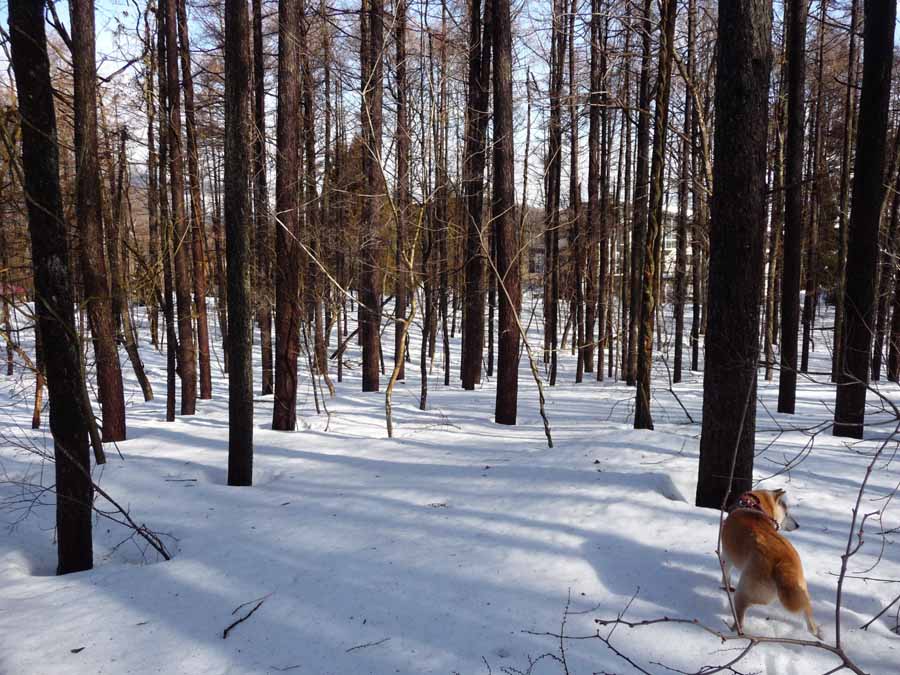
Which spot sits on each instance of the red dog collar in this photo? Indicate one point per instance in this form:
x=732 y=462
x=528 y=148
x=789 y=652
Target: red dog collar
x=750 y=501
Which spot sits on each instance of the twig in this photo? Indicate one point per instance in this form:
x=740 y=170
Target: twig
x=367 y=644
x=246 y=616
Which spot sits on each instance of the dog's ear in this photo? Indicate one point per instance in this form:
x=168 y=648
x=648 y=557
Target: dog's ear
x=779 y=494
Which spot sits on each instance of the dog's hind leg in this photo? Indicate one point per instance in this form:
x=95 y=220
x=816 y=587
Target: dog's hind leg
x=726 y=573
x=751 y=590
x=741 y=604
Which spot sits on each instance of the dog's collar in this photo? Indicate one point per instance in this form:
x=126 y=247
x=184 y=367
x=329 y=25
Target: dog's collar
x=750 y=501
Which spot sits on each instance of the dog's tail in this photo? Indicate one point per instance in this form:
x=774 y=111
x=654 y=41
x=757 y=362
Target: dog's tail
x=791 y=588
x=794 y=595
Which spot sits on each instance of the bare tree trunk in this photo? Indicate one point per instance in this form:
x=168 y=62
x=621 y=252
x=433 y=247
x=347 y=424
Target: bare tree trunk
x=885 y=285
x=262 y=226
x=698 y=197
x=402 y=192
x=843 y=200
x=817 y=207
x=776 y=226
x=118 y=268
x=219 y=251
x=473 y=189
x=680 y=289
x=595 y=217
x=7 y=300
x=578 y=238
x=626 y=256
x=89 y=215
x=287 y=251
x=492 y=297
x=313 y=287
x=237 y=243
x=53 y=289
x=641 y=180
x=187 y=354
x=605 y=283
x=737 y=231
x=198 y=231
x=369 y=274
x=893 y=366
x=868 y=193
x=595 y=101
x=554 y=175
x=166 y=222
x=652 y=242
x=793 y=214
x=152 y=187
x=442 y=196
x=503 y=217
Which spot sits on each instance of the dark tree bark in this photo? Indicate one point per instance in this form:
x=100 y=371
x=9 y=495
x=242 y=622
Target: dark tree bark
x=698 y=199
x=868 y=193
x=442 y=195
x=119 y=264
x=893 y=365
x=262 y=225
x=473 y=190
x=165 y=231
x=53 y=289
x=186 y=350
x=369 y=272
x=606 y=231
x=287 y=263
x=887 y=264
x=595 y=101
x=595 y=216
x=737 y=232
x=816 y=203
x=553 y=184
x=492 y=302
x=680 y=286
x=843 y=199
x=5 y=314
x=152 y=186
x=331 y=239
x=793 y=212
x=641 y=180
x=643 y=419
x=198 y=230
x=313 y=284
x=502 y=213
x=626 y=257
x=887 y=248
x=219 y=251
x=578 y=238
x=402 y=192
x=88 y=212
x=237 y=243
x=776 y=226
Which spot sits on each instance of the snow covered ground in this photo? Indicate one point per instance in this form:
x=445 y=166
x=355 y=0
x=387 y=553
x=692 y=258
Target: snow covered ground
x=443 y=550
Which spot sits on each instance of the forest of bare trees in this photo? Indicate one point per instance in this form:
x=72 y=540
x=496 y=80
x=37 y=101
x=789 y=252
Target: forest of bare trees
x=661 y=201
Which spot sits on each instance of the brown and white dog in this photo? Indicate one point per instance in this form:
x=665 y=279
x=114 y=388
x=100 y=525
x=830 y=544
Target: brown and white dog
x=770 y=566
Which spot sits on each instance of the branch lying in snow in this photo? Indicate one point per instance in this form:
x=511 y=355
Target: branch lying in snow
x=729 y=666
x=258 y=601
x=367 y=644
x=119 y=514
